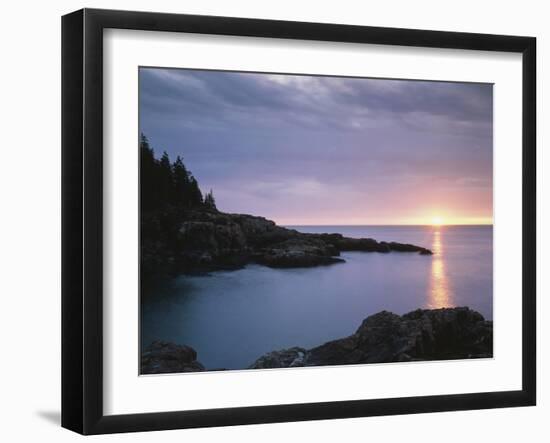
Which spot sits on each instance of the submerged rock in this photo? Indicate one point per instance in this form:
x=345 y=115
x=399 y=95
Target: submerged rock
x=438 y=334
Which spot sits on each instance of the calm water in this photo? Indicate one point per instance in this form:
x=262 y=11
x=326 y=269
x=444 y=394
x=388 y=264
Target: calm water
x=233 y=317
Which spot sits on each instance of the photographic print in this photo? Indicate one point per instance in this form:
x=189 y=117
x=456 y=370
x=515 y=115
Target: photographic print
x=291 y=221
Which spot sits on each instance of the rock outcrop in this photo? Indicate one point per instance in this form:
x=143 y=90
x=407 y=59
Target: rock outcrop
x=439 y=334
x=286 y=358
x=162 y=357
x=298 y=251
x=207 y=239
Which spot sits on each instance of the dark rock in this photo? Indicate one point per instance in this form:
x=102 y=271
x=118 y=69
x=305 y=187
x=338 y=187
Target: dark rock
x=261 y=232
x=369 y=245
x=286 y=358
x=163 y=357
x=206 y=239
x=298 y=252
x=361 y=244
x=438 y=334
x=405 y=247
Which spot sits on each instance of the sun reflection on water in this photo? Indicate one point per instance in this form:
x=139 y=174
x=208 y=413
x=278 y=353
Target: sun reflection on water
x=440 y=292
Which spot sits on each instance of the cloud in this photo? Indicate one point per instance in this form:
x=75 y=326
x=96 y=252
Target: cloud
x=320 y=137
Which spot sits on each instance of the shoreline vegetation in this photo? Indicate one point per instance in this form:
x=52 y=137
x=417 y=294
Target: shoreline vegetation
x=183 y=232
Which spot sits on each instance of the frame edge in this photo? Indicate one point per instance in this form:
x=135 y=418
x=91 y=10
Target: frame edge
x=529 y=220
x=72 y=103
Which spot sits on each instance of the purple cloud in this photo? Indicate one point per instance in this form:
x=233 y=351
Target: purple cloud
x=332 y=149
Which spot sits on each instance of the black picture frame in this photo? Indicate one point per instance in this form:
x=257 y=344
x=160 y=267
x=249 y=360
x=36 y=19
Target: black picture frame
x=82 y=219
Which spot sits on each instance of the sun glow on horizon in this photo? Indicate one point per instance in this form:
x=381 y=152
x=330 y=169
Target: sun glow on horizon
x=426 y=220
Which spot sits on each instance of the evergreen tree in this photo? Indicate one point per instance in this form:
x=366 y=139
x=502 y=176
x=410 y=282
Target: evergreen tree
x=209 y=200
x=166 y=181
x=195 y=194
x=164 y=184
x=148 y=166
x=181 y=191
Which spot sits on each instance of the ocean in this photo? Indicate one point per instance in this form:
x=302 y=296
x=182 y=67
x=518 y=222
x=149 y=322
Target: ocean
x=233 y=317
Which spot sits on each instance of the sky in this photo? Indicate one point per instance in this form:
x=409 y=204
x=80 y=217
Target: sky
x=317 y=150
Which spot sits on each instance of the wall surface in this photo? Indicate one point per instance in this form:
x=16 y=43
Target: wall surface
x=30 y=221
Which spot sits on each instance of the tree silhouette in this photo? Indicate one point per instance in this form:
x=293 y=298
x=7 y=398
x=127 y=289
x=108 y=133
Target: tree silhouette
x=181 y=182
x=164 y=184
x=195 y=194
x=148 y=164
x=166 y=181
x=209 y=200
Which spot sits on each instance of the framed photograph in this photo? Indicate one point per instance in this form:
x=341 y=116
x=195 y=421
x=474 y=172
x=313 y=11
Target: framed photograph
x=269 y=221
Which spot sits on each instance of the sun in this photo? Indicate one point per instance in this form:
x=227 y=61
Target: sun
x=437 y=221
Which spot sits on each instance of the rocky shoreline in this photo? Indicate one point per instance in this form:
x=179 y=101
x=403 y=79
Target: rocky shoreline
x=385 y=337
x=207 y=239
